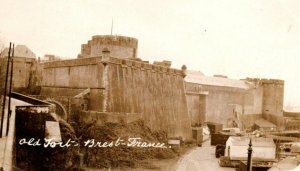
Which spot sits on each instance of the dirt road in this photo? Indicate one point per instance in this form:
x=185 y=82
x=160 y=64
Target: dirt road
x=197 y=159
x=201 y=159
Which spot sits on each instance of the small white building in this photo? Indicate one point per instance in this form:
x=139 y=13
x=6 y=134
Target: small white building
x=263 y=148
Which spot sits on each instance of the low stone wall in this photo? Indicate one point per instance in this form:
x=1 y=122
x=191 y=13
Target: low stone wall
x=292 y=123
x=249 y=120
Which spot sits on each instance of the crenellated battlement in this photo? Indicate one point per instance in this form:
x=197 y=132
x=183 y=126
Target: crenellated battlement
x=114 y=40
x=265 y=81
x=117 y=46
x=273 y=81
x=72 y=62
x=114 y=61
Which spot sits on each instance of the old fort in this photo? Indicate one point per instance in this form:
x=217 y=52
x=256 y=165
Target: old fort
x=108 y=93
x=108 y=82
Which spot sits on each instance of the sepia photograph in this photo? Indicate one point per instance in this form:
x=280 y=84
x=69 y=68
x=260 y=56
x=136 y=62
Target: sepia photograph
x=137 y=85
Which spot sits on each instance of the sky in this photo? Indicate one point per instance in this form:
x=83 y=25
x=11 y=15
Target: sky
x=237 y=38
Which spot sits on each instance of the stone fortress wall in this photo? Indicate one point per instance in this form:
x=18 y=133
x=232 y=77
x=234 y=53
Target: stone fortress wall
x=154 y=92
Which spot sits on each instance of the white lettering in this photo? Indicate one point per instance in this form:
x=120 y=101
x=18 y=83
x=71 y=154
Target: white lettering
x=31 y=142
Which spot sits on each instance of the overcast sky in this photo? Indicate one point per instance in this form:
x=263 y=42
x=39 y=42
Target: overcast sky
x=237 y=38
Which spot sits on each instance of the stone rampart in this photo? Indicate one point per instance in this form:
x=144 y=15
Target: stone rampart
x=124 y=86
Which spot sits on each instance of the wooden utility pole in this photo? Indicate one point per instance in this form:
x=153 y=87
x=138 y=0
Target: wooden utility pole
x=10 y=87
x=5 y=87
x=249 y=160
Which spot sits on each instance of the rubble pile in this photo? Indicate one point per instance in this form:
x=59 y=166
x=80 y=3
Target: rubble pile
x=122 y=155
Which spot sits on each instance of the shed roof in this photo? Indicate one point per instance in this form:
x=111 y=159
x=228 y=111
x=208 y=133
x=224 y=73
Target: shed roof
x=199 y=78
x=262 y=123
x=256 y=142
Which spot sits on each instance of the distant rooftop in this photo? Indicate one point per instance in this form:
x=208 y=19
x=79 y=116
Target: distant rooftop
x=262 y=123
x=199 y=78
x=20 y=51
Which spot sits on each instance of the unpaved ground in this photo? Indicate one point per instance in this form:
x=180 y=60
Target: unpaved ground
x=195 y=159
x=151 y=164
x=201 y=159
x=161 y=165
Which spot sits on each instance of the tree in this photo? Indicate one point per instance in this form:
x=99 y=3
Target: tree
x=2 y=43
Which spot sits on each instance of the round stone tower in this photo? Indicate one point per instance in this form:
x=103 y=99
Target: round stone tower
x=273 y=97
x=115 y=46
